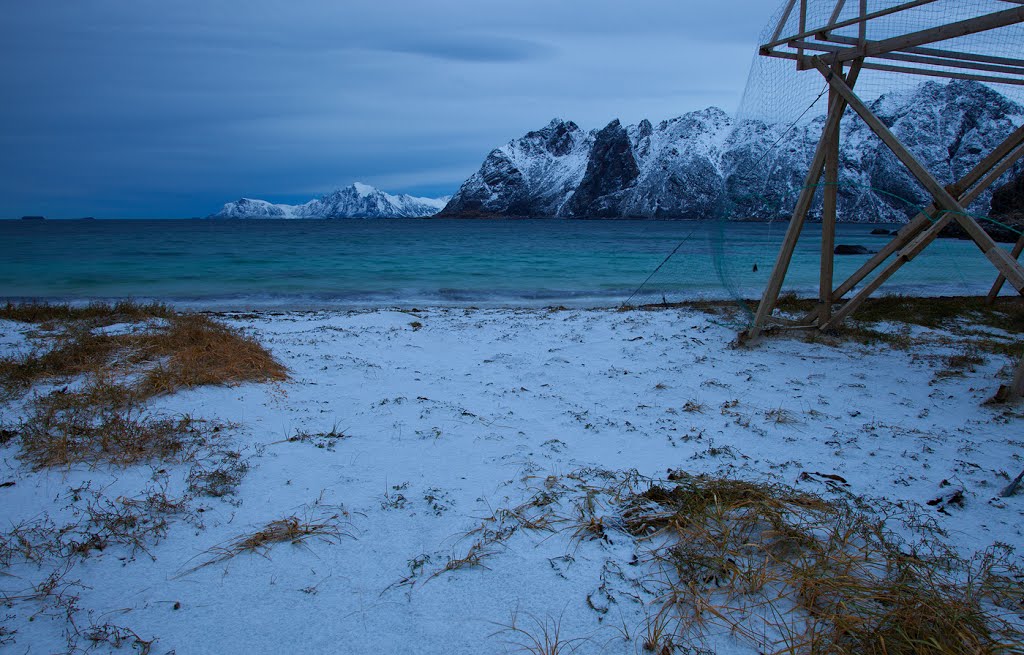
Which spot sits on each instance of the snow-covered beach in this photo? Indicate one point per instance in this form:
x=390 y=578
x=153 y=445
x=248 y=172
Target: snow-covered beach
x=412 y=430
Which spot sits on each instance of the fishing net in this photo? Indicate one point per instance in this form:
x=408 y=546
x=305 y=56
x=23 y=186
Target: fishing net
x=947 y=124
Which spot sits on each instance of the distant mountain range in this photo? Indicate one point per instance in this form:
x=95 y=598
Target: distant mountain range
x=706 y=165
x=703 y=164
x=355 y=201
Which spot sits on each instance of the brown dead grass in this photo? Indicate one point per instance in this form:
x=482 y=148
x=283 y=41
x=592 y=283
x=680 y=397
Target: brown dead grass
x=792 y=572
x=197 y=351
x=100 y=414
x=191 y=350
x=102 y=422
x=316 y=522
x=97 y=314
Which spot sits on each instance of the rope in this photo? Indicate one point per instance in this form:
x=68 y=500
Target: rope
x=754 y=166
x=658 y=268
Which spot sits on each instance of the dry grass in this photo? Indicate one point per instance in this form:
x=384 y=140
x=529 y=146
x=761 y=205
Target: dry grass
x=197 y=351
x=135 y=523
x=189 y=350
x=95 y=313
x=791 y=572
x=317 y=522
x=217 y=476
x=100 y=415
x=102 y=422
x=543 y=638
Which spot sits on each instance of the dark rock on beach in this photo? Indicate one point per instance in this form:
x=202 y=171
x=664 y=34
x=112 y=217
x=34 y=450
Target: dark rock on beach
x=845 y=249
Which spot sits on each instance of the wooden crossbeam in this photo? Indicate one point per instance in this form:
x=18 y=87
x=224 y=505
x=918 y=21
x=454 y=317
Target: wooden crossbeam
x=999 y=257
x=906 y=235
x=806 y=33
x=967 y=190
x=947 y=58
x=807 y=62
x=1018 y=248
x=911 y=250
x=935 y=34
x=833 y=18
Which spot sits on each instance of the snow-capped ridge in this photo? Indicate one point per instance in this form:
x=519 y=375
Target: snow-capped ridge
x=357 y=200
x=705 y=164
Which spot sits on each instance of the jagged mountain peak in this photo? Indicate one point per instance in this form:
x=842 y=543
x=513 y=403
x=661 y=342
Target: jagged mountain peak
x=704 y=164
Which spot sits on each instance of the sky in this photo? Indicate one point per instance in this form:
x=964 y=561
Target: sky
x=136 y=108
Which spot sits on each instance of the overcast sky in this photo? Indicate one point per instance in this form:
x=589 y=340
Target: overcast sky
x=136 y=108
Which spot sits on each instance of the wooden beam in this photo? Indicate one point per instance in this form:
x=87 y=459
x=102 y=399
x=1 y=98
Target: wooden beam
x=785 y=17
x=1018 y=248
x=905 y=255
x=966 y=56
x=803 y=24
x=805 y=63
x=999 y=257
x=796 y=223
x=829 y=210
x=1016 y=68
x=935 y=34
x=953 y=75
x=804 y=33
x=862 y=27
x=947 y=58
x=832 y=19
x=923 y=220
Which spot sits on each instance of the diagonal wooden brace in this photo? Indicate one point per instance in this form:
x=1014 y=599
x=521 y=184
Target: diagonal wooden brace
x=1006 y=265
x=1018 y=248
x=1006 y=155
x=967 y=190
x=911 y=250
x=796 y=223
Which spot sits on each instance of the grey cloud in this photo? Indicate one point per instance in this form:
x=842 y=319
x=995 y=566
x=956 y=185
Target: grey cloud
x=125 y=107
x=476 y=48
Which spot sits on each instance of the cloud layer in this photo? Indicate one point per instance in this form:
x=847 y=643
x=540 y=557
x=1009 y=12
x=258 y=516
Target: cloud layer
x=142 y=108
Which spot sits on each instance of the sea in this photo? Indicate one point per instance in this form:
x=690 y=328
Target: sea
x=310 y=264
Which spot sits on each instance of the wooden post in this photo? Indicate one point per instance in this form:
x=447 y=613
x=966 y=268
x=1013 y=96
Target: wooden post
x=828 y=214
x=1017 y=385
x=796 y=223
x=862 y=29
x=999 y=257
x=1018 y=248
x=803 y=25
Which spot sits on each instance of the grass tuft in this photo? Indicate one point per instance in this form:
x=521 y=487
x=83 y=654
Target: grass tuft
x=793 y=572
x=102 y=423
x=317 y=522
x=186 y=350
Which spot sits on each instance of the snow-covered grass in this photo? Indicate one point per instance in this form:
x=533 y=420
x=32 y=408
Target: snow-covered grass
x=463 y=485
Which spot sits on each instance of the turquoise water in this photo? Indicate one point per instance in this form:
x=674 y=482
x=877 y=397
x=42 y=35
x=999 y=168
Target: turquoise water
x=317 y=263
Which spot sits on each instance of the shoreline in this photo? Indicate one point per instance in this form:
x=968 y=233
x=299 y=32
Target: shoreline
x=615 y=301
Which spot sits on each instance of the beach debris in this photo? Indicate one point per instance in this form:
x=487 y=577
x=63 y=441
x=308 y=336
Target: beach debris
x=1013 y=487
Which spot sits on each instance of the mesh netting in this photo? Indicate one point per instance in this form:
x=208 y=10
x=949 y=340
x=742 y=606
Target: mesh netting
x=947 y=124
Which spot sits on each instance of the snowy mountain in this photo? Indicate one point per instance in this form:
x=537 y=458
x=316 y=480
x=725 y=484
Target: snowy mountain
x=706 y=165
x=531 y=176
x=355 y=201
